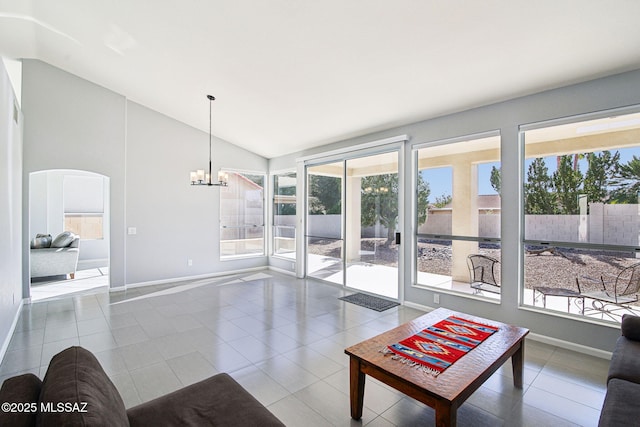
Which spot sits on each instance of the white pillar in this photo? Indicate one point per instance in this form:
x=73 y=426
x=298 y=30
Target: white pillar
x=583 y=226
x=464 y=221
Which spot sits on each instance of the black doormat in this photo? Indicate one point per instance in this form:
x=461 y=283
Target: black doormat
x=368 y=301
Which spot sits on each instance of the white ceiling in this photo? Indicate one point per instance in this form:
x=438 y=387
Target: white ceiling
x=294 y=74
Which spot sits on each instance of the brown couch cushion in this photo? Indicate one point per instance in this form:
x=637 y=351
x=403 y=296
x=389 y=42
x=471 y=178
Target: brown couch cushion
x=75 y=378
x=23 y=390
x=619 y=407
x=216 y=401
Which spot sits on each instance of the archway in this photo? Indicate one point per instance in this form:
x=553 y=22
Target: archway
x=71 y=201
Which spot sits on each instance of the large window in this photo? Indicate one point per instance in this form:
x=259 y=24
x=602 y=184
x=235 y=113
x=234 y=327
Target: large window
x=84 y=206
x=89 y=226
x=242 y=216
x=582 y=222
x=458 y=215
x=284 y=215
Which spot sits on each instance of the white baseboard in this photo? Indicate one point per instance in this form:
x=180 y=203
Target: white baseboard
x=282 y=271
x=88 y=264
x=579 y=348
x=185 y=278
x=12 y=329
x=418 y=306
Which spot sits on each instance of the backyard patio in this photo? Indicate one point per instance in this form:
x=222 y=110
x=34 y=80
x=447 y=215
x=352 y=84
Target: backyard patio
x=549 y=266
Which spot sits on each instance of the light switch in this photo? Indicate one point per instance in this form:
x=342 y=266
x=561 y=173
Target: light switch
x=132 y=231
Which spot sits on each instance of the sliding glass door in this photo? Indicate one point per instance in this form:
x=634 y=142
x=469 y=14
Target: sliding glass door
x=372 y=223
x=324 y=238
x=353 y=214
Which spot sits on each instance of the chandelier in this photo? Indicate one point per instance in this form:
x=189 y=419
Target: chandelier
x=199 y=177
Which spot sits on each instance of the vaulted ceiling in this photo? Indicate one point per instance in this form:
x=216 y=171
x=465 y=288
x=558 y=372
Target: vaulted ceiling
x=293 y=74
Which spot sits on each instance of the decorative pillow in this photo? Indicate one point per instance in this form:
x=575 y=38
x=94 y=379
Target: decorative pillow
x=631 y=327
x=41 y=241
x=23 y=390
x=63 y=239
x=76 y=382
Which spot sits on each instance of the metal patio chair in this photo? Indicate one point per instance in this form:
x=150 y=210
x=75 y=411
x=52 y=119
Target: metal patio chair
x=481 y=273
x=618 y=291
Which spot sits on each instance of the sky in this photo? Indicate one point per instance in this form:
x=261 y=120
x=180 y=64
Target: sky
x=439 y=179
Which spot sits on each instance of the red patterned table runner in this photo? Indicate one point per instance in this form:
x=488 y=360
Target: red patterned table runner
x=437 y=347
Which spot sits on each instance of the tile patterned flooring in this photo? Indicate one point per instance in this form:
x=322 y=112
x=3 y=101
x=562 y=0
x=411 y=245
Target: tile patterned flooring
x=283 y=339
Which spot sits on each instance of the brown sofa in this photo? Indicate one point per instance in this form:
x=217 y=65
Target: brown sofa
x=77 y=392
x=620 y=406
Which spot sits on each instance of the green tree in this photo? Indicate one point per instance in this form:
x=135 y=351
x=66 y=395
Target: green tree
x=328 y=192
x=286 y=208
x=626 y=182
x=423 y=191
x=442 y=201
x=567 y=180
x=602 y=167
x=538 y=189
x=316 y=207
x=496 y=179
x=379 y=202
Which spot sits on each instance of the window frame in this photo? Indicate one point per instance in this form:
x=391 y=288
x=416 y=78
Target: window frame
x=263 y=216
x=446 y=237
x=82 y=215
x=273 y=225
x=549 y=243
x=83 y=210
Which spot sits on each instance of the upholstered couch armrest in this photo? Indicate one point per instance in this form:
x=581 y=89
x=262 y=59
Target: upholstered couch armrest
x=630 y=327
x=218 y=400
x=625 y=363
x=54 y=261
x=24 y=390
x=76 y=381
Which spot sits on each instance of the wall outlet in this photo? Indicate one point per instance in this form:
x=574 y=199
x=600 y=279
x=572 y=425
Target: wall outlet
x=190 y=262
x=436 y=298
x=132 y=231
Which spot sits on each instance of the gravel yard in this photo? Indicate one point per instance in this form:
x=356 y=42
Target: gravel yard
x=554 y=267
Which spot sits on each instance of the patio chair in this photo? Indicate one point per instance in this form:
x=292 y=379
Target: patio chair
x=481 y=273
x=618 y=291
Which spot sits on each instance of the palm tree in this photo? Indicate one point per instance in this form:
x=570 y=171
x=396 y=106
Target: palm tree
x=626 y=182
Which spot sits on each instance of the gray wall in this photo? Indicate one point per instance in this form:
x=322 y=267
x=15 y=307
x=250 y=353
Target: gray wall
x=601 y=94
x=71 y=123
x=10 y=209
x=175 y=221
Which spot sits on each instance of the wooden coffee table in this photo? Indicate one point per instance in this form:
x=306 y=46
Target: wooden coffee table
x=447 y=391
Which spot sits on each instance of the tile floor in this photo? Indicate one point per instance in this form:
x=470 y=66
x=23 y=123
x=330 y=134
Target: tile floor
x=84 y=280
x=283 y=339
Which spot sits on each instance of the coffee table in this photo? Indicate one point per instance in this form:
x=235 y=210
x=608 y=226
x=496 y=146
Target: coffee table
x=447 y=391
